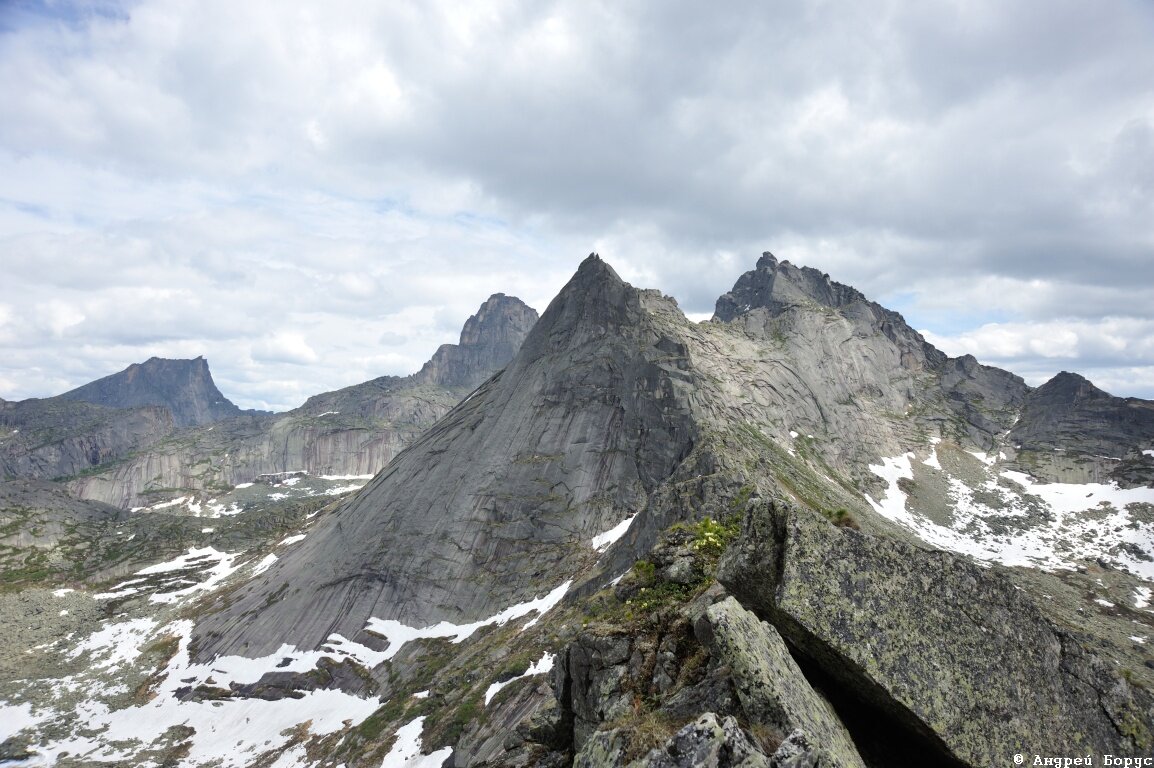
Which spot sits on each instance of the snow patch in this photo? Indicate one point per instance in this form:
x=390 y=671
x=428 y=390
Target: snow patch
x=346 y=477
x=216 y=509
x=207 y=564
x=265 y=563
x=340 y=490
x=983 y=457
x=15 y=718
x=1042 y=525
x=602 y=541
x=291 y=540
x=116 y=644
x=1142 y=597
x=540 y=667
x=406 y=751
x=167 y=504
x=398 y=634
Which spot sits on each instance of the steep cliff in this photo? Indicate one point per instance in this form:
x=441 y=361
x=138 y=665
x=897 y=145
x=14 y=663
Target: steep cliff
x=489 y=341
x=54 y=438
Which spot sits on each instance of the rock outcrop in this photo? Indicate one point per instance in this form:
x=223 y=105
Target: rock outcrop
x=950 y=655
x=778 y=287
x=184 y=387
x=770 y=686
x=1072 y=429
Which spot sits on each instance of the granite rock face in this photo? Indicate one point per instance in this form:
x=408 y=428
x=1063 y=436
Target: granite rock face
x=954 y=655
x=1069 y=424
x=342 y=433
x=53 y=438
x=779 y=287
x=501 y=499
x=184 y=387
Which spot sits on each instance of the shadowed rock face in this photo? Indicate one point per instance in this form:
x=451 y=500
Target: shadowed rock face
x=184 y=387
x=1069 y=410
x=499 y=501
x=53 y=438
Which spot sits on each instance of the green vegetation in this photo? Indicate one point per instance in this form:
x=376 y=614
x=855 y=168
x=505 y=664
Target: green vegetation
x=841 y=517
x=713 y=537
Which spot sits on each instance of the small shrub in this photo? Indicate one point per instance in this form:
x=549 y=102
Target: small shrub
x=842 y=518
x=644 y=731
x=766 y=737
x=711 y=537
x=645 y=572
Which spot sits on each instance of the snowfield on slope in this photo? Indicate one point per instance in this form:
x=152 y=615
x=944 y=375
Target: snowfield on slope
x=1012 y=519
x=94 y=715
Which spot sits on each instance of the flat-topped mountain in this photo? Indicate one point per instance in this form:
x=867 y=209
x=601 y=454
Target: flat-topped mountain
x=184 y=387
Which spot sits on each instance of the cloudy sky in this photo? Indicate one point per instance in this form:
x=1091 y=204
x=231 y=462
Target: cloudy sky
x=314 y=194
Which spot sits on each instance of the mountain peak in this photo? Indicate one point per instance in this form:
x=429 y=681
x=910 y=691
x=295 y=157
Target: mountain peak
x=184 y=387
x=767 y=261
x=489 y=340
x=593 y=267
x=778 y=285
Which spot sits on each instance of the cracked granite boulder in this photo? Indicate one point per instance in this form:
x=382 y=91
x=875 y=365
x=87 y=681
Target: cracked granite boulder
x=946 y=652
x=772 y=689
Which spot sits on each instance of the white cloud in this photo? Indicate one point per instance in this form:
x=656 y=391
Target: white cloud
x=202 y=176
x=1116 y=353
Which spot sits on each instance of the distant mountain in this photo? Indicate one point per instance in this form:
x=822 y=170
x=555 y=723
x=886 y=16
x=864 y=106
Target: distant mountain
x=489 y=341
x=356 y=430
x=184 y=387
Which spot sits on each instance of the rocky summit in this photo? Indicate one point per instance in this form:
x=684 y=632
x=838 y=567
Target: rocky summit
x=796 y=534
